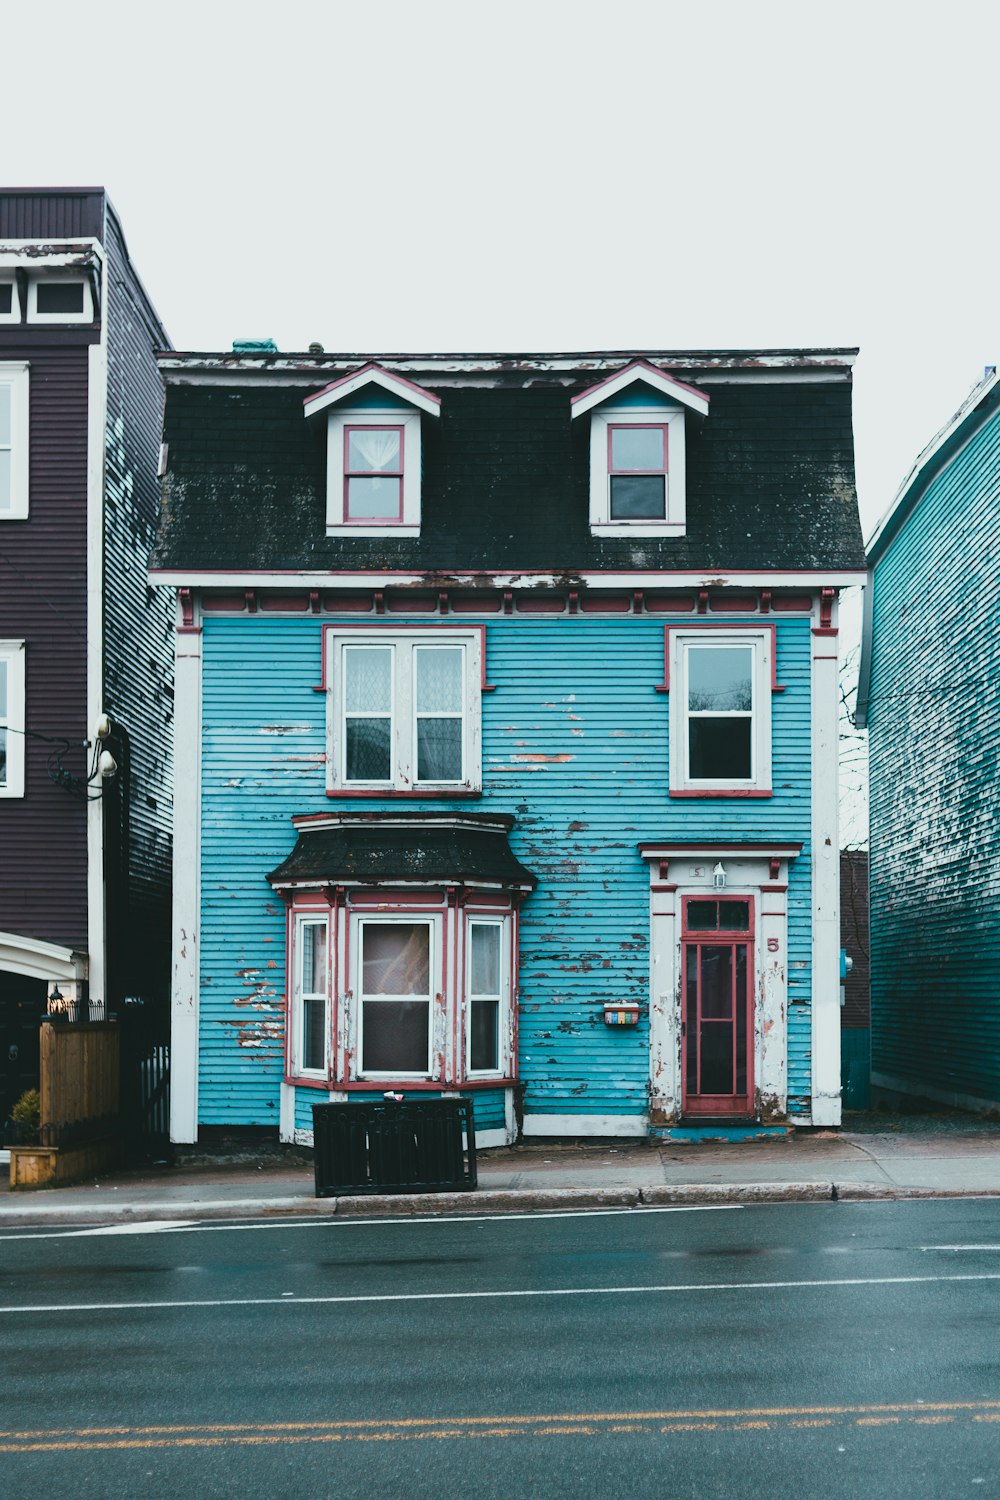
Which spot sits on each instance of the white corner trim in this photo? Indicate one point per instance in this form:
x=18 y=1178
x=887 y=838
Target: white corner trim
x=186 y=977
x=586 y=1125
x=97 y=419
x=825 y=875
x=286 y=1112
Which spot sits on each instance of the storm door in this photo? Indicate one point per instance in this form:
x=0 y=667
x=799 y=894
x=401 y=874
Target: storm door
x=717 y=1021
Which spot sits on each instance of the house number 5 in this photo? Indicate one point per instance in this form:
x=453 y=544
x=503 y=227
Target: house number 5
x=772 y=945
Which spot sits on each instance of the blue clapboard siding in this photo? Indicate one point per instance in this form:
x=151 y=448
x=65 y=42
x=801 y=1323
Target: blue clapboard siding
x=579 y=691
x=934 y=720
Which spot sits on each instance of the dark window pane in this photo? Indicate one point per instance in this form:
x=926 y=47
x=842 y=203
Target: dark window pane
x=376 y=499
x=395 y=1036
x=716 y=1058
x=719 y=749
x=439 y=749
x=368 y=746
x=741 y=1020
x=691 y=1019
x=59 y=297
x=720 y=679
x=638 y=497
x=6 y=298
x=314 y=1034
x=637 y=448
x=716 y=984
x=483 y=1043
x=395 y=958
x=703 y=916
x=734 y=916
x=3 y=757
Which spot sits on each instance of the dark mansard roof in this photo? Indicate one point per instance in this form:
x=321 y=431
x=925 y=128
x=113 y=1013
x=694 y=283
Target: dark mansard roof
x=505 y=487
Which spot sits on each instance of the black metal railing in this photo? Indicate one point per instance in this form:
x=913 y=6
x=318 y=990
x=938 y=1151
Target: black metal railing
x=412 y=1146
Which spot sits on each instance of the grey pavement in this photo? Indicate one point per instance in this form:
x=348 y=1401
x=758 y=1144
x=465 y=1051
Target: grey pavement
x=899 y=1158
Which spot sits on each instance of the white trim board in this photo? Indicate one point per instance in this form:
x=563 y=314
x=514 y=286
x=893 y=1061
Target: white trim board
x=586 y=1125
x=520 y=582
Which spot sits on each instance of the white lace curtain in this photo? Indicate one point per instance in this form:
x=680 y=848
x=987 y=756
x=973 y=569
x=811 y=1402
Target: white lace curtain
x=377 y=448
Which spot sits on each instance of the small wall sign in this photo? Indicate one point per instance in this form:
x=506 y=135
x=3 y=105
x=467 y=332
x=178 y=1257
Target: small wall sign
x=621 y=1014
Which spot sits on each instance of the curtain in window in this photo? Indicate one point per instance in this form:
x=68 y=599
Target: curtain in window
x=373 y=448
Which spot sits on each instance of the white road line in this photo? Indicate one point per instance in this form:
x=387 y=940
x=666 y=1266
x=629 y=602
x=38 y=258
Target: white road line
x=184 y=1226
x=569 y=1291
x=959 y=1247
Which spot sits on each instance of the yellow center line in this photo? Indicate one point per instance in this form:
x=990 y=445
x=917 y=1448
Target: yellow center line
x=418 y=1429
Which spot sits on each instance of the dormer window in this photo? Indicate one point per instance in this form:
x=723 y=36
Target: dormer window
x=637 y=451
x=373 y=473
x=373 y=452
x=637 y=471
x=10 y=305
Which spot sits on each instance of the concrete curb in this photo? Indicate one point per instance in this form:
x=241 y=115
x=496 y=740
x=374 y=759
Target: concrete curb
x=55 y=1215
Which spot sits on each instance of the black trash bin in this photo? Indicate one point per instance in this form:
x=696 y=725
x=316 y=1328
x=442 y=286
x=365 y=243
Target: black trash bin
x=410 y=1146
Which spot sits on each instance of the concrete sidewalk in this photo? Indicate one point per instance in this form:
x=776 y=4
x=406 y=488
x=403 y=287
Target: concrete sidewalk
x=883 y=1163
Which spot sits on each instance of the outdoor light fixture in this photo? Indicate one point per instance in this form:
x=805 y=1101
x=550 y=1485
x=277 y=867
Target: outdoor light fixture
x=719 y=876
x=107 y=765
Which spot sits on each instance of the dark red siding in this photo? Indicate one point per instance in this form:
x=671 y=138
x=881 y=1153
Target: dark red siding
x=43 y=872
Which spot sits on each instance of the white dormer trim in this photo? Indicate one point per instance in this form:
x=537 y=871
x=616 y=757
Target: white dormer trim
x=372 y=374
x=639 y=370
x=674 y=522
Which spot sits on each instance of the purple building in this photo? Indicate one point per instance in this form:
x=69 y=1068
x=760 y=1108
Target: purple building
x=85 y=646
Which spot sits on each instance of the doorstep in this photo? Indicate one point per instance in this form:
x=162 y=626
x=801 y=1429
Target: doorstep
x=715 y=1131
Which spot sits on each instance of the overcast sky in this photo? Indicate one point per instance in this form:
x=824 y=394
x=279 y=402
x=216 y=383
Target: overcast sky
x=544 y=176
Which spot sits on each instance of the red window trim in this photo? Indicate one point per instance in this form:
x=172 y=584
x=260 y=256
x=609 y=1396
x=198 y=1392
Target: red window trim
x=349 y=473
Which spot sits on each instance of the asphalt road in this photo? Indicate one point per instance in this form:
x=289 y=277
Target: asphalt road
x=807 y=1350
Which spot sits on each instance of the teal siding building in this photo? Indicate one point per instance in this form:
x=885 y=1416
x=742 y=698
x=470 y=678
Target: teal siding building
x=506 y=737
x=930 y=696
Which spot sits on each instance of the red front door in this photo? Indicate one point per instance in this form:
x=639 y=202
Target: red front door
x=717 y=1026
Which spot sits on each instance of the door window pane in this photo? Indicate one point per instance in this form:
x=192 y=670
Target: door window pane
x=702 y=916
x=716 y=984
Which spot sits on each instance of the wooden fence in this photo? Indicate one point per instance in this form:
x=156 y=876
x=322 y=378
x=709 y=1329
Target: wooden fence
x=79 y=1072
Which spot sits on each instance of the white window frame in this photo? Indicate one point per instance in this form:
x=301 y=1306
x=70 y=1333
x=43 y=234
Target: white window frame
x=14 y=374
x=505 y=1006
x=403 y=739
x=12 y=653
x=762 y=645
x=14 y=316
x=413 y=918
x=303 y=919
x=670 y=417
x=371 y=416
x=64 y=278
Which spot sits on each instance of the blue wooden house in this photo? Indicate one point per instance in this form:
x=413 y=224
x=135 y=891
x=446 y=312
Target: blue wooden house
x=930 y=697
x=506 y=735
